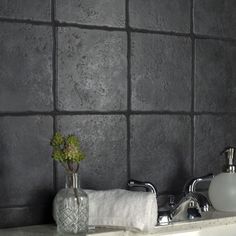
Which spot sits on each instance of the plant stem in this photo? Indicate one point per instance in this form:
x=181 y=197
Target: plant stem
x=71 y=169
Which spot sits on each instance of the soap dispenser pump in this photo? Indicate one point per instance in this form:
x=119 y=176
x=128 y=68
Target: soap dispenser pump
x=222 y=189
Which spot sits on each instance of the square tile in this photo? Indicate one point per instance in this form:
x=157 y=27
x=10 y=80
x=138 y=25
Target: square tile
x=161 y=150
x=103 y=139
x=92 y=70
x=215 y=17
x=161 y=72
x=26 y=9
x=212 y=135
x=24 y=216
x=26 y=167
x=92 y=12
x=25 y=68
x=215 y=72
x=163 y=15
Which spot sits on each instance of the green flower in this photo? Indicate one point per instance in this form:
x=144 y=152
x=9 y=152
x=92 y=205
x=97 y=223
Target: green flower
x=57 y=140
x=73 y=153
x=58 y=155
x=72 y=140
x=66 y=149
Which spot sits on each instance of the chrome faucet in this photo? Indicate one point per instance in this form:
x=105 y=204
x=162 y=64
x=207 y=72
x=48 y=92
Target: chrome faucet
x=190 y=187
x=186 y=209
x=189 y=207
x=149 y=187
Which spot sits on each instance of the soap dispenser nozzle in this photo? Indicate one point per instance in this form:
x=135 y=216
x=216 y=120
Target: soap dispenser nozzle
x=229 y=153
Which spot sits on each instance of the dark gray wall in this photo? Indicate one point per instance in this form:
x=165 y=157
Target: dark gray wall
x=148 y=85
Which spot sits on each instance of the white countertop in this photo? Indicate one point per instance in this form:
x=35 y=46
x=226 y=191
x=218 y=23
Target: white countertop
x=211 y=219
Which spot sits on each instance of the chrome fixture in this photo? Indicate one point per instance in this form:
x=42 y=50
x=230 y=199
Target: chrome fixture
x=149 y=187
x=190 y=205
x=190 y=187
x=186 y=209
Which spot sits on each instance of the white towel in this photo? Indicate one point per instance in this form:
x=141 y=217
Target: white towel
x=127 y=209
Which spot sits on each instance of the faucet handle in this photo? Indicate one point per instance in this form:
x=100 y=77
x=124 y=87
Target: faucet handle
x=149 y=187
x=190 y=186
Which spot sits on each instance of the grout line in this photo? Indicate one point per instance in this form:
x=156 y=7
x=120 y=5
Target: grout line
x=54 y=65
x=56 y=113
x=159 y=113
x=211 y=37
x=110 y=28
x=91 y=27
x=193 y=106
x=25 y=21
x=128 y=147
x=70 y=113
x=128 y=86
x=170 y=33
x=215 y=113
x=192 y=86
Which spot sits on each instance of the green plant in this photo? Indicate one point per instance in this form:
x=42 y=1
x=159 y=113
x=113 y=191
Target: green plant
x=66 y=150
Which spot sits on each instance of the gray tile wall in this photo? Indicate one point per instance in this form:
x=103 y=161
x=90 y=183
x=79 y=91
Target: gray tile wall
x=148 y=86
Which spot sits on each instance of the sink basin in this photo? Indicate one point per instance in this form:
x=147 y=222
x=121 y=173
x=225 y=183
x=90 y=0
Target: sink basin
x=212 y=223
x=226 y=230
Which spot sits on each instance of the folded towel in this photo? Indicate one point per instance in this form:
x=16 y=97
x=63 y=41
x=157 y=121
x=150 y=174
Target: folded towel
x=128 y=209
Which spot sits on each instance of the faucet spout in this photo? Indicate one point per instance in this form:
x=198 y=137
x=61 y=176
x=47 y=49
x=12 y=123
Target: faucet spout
x=191 y=185
x=149 y=187
x=187 y=209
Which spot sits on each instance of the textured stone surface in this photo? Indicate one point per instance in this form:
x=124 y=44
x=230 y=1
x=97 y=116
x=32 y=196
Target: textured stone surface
x=103 y=139
x=164 y=15
x=26 y=9
x=161 y=150
x=25 y=68
x=161 y=72
x=24 y=216
x=92 y=12
x=215 y=17
x=92 y=76
x=92 y=70
x=215 y=73
x=212 y=135
x=26 y=166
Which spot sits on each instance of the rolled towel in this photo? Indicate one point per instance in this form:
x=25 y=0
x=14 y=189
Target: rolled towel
x=127 y=209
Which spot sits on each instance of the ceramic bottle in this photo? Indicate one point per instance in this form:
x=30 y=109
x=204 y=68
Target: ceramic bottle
x=222 y=190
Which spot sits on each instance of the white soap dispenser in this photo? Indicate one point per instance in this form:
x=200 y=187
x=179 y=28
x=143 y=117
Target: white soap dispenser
x=222 y=190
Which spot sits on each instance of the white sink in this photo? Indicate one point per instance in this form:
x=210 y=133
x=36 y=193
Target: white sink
x=212 y=224
x=222 y=230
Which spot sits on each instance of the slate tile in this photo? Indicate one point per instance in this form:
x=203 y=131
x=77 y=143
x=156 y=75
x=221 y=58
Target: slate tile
x=92 y=12
x=212 y=134
x=25 y=68
x=26 y=9
x=215 y=72
x=163 y=15
x=160 y=72
x=215 y=18
x=103 y=139
x=26 y=167
x=24 y=216
x=161 y=150
x=92 y=70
